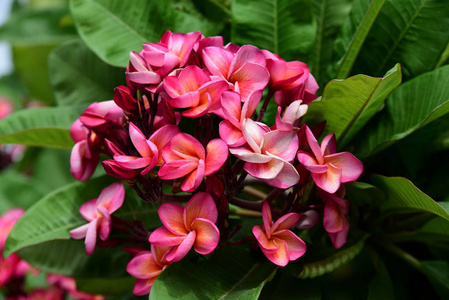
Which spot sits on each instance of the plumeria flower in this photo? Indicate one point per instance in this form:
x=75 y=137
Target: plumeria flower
x=334 y=218
x=193 y=89
x=149 y=149
x=140 y=72
x=291 y=117
x=277 y=242
x=185 y=156
x=98 y=213
x=146 y=267
x=230 y=129
x=328 y=168
x=187 y=227
x=268 y=154
x=103 y=116
x=245 y=70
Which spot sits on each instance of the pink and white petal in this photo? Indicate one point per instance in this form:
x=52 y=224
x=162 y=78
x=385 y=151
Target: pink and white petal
x=313 y=144
x=162 y=237
x=264 y=243
x=178 y=252
x=296 y=246
x=218 y=61
x=280 y=257
x=339 y=238
x=192 y=78
x=248 y=53
x=79 y=232
x=267 y=218
x=201 y=206
x=215 y=89
x=216 y=155
x=143 y=266
x=351 y=167
x=177 y=169
x=194 y=179
x=268 y=170
x=187 y=146
x=288 y=177
x=142 y=287
x=329 y=181
x=232 y=135
x=207 y=236
x=232 y=107
x=112 y=197
x=132 y=162
x=250 y=78
x=104 y=227
x=282 y=144
x=145 y=77
x=329 y=144
x=139 y=140
x=89 y=210
x=91 y=237
x=310 y=163
x=246 y=154
x=172 y=216
x=285 y=222
x=249 y=107
x=253 y=134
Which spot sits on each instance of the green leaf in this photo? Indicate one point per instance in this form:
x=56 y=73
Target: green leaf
x=349 y=104
x=106 y=286
x=381 y=287
x=410 y=32
x=280 y=26
x=329 y=15
x=335 y=261
x=410 y=107
x=37 y=26
x=354 y=32
x=113 y=28
x=42 y=127
x=95 y=80
x=403 y=195
x=438 y=274
x=228 y=273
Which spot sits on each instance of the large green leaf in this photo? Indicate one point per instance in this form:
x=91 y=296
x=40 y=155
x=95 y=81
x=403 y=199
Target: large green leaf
x=410 y=107
x=228 y=273
x=329 y=15
x=402 y=195
x=410 y=32
x=438 y=273
x=353 y=33
x=43 y=127
x=57 y=213
x=113 y=28
x=95 y=80
x=349 y=104
x=281 y=26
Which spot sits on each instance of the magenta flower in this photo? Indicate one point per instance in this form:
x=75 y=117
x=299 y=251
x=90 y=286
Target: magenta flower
x=334 y=221
x=140 y=72
x=187 y=227
x=146 y=267
x=276 y=241
x=268 y=154
x=103 y=116
x=185 y=156
x=98 y=213
x=195 y=90
x=245 y=70
x=149 y=149
x=230 y=129
x=328 y=168
x=292 y=116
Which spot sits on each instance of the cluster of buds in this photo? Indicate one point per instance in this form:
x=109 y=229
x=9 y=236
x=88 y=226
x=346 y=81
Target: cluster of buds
x=192 y=117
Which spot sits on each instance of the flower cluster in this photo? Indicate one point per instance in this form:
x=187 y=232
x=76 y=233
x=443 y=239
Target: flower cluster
x=193 y=116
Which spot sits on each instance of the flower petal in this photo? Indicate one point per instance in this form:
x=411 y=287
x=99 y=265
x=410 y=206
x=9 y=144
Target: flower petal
x=79 y=232
x=112 y=197
x=268 y=170
x=216 y=155
x=207 y=236
x=296 y=246
x=143 y=266
x=265 y=244
x=194 y=179
x=178 y=252
x=285 y=222
x=171 y=216
x=329 y=181
x=202 y=206
x=88 y=210
x=281 y=256
x=162 y=237
x=91 y=237
x=351 y=167
x=281 y=143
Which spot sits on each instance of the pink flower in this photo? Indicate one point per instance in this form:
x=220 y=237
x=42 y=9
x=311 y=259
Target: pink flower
x=185 y=156
x=245 y=70
x=69 y=285
x=149 y=149
x=187 y=227
x=235 y=115
x=291 y=117
x=268 y=154
x=146 y=267
x=6 y=107
x=334 y=221
x=98 y=213
x=279 y=244
x=194 y=89
x=328 y=168
x=124 y=99
x=140 y=72
x=102 y=116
